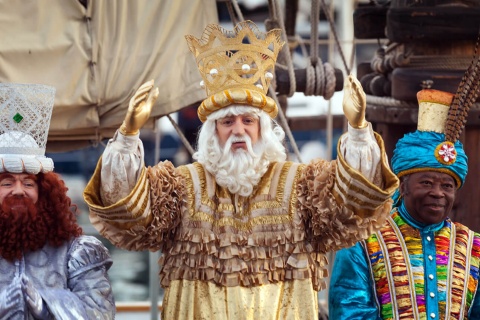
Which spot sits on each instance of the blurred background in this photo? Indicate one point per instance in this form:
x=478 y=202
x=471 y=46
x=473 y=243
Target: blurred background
x=98 y=52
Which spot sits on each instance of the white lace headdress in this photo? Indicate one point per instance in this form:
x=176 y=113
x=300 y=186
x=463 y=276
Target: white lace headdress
x=25 y=114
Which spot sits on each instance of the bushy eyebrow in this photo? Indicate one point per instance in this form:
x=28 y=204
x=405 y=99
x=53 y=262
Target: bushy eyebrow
x=231 y=115
x=428 y=175
x=32 y=177
x=7 y=175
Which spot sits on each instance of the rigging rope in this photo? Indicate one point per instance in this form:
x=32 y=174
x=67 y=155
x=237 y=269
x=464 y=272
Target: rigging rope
x=276 y=21
x=181 y=135
x=320 y=78
x=277 y=18
x=334 y=32
x=231 y=13
x=389 y=102
x=314 y=20
x=237 y=10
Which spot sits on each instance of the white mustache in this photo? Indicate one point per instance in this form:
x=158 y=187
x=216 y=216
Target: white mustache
x=239 y=139
x=242 y=138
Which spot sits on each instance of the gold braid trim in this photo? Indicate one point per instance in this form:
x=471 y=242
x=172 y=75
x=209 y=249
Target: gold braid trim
x=241 y=96
x=124 y=213
x=358 y=193
x=260 y=246
x=330 y=224
x=203 y=211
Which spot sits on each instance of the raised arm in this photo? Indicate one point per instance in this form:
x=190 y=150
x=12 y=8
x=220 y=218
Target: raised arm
x=345 y=200
x=122 y=195
x=122 y=160
x=359 y=147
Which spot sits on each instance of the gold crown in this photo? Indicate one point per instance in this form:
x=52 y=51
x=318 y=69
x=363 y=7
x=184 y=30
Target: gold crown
x=236 y=66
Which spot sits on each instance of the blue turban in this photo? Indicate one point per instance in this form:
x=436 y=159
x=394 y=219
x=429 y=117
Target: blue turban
x=418 y=151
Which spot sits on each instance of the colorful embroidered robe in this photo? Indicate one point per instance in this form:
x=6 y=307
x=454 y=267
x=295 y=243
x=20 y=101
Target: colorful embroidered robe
x=408 y=274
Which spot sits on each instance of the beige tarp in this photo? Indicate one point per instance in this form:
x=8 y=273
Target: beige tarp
x=97 y=56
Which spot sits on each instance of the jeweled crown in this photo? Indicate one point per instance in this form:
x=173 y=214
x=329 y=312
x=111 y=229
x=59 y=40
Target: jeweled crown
x=236 y=66
x=25 y=114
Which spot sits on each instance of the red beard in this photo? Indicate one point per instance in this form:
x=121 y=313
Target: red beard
x=22 y=229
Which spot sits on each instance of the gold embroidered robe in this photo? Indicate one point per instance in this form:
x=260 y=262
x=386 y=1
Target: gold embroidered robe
x=228 y=257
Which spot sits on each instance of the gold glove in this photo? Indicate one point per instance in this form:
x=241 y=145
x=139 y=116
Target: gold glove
x=354 y=102
x=139 y=108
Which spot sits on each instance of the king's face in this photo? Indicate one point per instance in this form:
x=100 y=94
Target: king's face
x=238 y=126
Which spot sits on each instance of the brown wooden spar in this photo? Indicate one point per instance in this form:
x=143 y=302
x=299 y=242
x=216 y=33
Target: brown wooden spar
x=283 y=80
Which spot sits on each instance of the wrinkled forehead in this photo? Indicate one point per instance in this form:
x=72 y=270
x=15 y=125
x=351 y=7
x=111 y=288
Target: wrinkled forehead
x=20 y=176
x=235 y=110
x=440 y=175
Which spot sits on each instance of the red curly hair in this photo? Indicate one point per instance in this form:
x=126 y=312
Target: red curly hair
x=52 y=219
x=54 y=204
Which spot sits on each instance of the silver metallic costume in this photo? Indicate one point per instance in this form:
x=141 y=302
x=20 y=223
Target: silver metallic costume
x=72 y=281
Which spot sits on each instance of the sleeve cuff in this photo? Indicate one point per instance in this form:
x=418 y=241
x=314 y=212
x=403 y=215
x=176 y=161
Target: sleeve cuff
x=125 y=144
x=361 y=134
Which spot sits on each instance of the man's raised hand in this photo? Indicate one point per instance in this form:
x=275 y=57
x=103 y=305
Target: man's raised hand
x=139 y=108
x=354 y=102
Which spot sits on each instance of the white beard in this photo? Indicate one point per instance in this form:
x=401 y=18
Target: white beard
x=240 y=170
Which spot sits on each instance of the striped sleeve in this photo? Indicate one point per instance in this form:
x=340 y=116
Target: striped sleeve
x=114 y=221
x=339 y=205
x=358 y=193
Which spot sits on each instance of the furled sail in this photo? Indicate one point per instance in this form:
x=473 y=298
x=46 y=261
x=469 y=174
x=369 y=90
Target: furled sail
x=96 y=53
